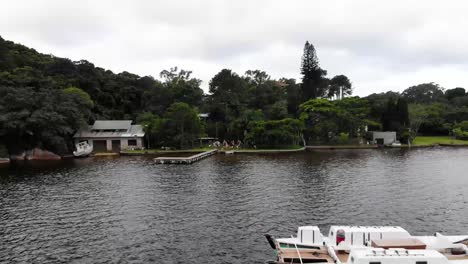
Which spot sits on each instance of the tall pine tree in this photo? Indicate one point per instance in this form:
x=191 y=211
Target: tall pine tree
x=314 y=83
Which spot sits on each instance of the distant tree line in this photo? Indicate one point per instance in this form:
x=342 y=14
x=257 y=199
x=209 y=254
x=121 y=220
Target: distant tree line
x=44 y=100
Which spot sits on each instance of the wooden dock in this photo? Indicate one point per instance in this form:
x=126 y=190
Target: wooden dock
x=185 y=160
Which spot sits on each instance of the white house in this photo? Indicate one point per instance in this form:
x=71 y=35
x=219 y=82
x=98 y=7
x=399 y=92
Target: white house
x=112 y=135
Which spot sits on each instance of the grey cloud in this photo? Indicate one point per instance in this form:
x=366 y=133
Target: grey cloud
x=379 y=45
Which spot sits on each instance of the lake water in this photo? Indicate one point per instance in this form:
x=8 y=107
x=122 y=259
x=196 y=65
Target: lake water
x=129 y=210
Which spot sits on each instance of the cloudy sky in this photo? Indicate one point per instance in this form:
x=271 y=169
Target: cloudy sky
x=379 y=45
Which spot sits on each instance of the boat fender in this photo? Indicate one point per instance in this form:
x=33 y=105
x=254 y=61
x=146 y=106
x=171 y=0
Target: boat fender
x=271 y=241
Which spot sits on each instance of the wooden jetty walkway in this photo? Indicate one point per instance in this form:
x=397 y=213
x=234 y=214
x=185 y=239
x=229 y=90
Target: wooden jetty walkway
x=185 y=160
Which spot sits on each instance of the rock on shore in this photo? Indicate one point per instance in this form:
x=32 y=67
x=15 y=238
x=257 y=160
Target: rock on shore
x=39 y=154
x=36 y=154
x=21 y=156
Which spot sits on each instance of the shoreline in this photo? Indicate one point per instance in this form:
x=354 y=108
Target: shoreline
x=273 y=151
x=242 y=151
x=262 y=151
x=4 y=162
x=332 y=147
x=338 y=147
x=153 y=152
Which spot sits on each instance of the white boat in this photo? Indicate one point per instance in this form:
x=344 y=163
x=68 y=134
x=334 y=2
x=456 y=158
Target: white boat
x=83 y=149
x=367 y=245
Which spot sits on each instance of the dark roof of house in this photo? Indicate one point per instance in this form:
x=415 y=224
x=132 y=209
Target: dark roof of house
x=112 y=124
x=98 y=130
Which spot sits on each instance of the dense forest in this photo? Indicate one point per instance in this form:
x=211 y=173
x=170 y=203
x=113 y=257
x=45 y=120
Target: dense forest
x=45 y=99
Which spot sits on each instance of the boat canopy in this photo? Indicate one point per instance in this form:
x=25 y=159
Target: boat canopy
x=361 y=236
x=309 y=235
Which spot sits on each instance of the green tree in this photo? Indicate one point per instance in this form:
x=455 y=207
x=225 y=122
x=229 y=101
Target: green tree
x=278 y=110
x=183 y=124
x=352 y=115
x=154 y=128
x=320 y=119
x=460 y=101
x=275 y=133
x=293 y=96
x=261 y=95
x=82 y=100
x=460 y=130
x=40 y=118
x=454 y=93
x=425 y=93
x=256 y=77
x=378 y=103
x=228 y=96
x=325 y=120
x=339 y=83
x=84 y=96
x=313 y=77
x=396 y=115
x=156 y=98
x=435 y=120
x=182 y=86
x=417 y=115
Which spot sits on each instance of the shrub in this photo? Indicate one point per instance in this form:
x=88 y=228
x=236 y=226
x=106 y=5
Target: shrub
x=343 y=138
x=460 y=130
x=275 y=133
x=460 y=134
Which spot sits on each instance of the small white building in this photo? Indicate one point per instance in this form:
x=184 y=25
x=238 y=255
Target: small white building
x=384 y=137
x=112 y=135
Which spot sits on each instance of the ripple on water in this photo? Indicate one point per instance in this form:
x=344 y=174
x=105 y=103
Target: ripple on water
x=217 y=210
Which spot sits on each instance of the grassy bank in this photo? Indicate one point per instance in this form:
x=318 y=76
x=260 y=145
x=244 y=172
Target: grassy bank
x=444 y=140
x=241 y=150
x=265 y=150
x=158 y=151
x=420 y=141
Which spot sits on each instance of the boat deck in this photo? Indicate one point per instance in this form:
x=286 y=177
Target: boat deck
x=342 y=256
x=290 y=254
x=456 y=257
x=185 y=160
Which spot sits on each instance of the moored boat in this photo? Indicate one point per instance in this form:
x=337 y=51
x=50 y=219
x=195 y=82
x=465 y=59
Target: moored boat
x=369 y=244
x=83 y=149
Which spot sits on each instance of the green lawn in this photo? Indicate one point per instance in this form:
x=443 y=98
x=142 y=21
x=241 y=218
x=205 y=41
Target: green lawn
x=426 y=141
x=260 y=150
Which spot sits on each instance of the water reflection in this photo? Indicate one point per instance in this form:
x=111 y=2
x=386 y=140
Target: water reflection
x=130 y=210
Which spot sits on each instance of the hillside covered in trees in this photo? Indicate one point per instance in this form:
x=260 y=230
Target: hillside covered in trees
x=45 y=99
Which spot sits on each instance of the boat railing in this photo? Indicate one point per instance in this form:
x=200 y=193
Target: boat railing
x=332 y=253
x=298 y=253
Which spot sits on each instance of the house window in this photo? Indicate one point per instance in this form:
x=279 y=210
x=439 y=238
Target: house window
x=132 y=142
